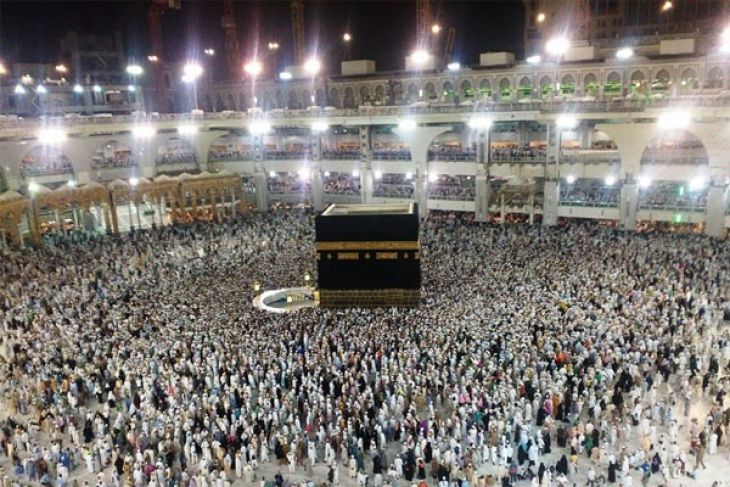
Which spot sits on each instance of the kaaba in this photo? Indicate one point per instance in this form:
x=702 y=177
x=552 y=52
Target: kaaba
x=368 y=255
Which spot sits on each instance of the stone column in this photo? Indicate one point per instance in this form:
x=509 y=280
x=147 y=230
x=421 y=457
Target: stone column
x=629 y=204
x=481 y=185
x=366 y=166
x=420 y=191
x=585 y=136
x=552 y=174
x=502 y=208
x=259 y=176
x=523 y=134
x=717 y=200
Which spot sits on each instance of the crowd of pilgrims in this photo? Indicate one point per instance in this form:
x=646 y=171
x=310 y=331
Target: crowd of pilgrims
x=539 y=356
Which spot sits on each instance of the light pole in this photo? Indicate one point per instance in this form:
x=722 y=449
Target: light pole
x=191 y=73
x=312 y=67
x=253 y=69
x=557 y=46
x=134 y=70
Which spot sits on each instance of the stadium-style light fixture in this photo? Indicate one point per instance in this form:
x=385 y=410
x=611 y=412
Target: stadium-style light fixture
x=152 y=58
x=479 y=123
x=673 y=120
x=557 y=46
x=420 y=56
x=33 y=187
x=61 y=68
x=347 y=37
x=355 y=173
x=273 y=46
x=187 y=129
x=3 y=70
x=697 y=184
x=319 y=126
x=193 y=71
x=312 y=66
x=327 y=174
x=534 y=59
x=96 y=88
x=209 y=52
x=566 y=122
x=624 y=53
x=134 y=70
x=407 y=124
x=285 y=76
x=19 y=90
x=78 y=89
x=41 y=89
x=409 y=176
x=51 y=136
x=667 y=6
x=378 y=174
x=71 y=183
x=435 y=29
x=272 y=174
x=540 y=18
x=644 y=182
x=143 y=131
x=432 y=177
x=133 y=182
x=304 y=174
x=570 y=179
x=259 y=127
x=253 y=68
x=610 y=180
x=453 y=66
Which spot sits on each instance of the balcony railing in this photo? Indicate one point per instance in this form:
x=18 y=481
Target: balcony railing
x=573 y=106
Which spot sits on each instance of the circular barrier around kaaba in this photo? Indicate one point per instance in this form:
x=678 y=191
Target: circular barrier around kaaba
x=286 y=300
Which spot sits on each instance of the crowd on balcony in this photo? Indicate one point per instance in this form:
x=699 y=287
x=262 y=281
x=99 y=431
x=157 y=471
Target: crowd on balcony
x=45 y=162
x=390 y=153
x=288 y=183
x=590 y=192
x=116 y=160
x=517 y=153
x=447 y=187
x=176 y=156
x=229 y=154
x=341 y=183
x=393 y=186
x=670 y=195
x=293 y=152
x=341 y=154
x=448 y=153
x=687 y=151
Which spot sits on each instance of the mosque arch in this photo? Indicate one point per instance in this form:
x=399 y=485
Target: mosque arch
x=45 y=160
x=349 y=101
x=176 y=150
x=430 y=91
x=485 y=88
x=505 y=89
x=334 y=97
x=231 y=102
x=232 y=146
x=715 y=78
x=688 y=81
x=380 y=93
x=279 y=99
x=113 y=155
x=466 y=90
x=675 y=147
x=590 y=84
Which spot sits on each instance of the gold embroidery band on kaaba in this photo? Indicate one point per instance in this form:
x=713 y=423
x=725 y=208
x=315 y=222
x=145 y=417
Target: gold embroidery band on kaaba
x=386 y=255
x=347 y=256
x=372 y=245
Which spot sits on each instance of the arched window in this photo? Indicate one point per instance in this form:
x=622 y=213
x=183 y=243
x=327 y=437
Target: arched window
x=661 y=81
x=380 y=94
x=279 y=97
x=590 y=84
x=293 y=103
x=349 y=101
x=485 y=88
x=219 y=105
x=430 y=91
x=412 y=93
x=714 y=78
x=335 y=97
x=613 y=84
x=546 y=86
x=448 y=90
x=525 y=87
x=319 y=97
x=567 y=85
x=466 y=90
x=688 y=81
x=505 y=89
x=231 y=102
x=364 y=95
x=230 y=147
